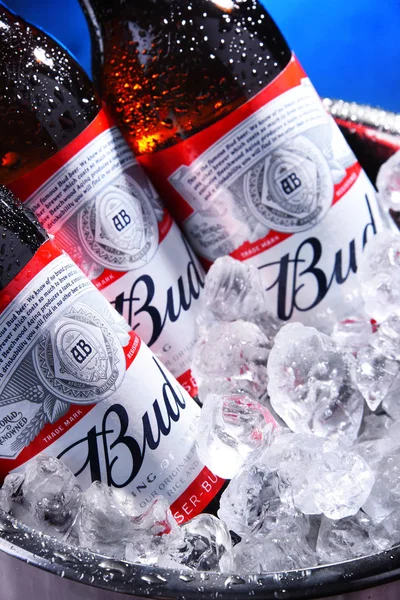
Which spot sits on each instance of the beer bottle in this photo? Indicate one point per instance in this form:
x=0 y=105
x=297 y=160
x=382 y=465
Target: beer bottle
x=229 y=128
x=77 y=383
x=62 y=154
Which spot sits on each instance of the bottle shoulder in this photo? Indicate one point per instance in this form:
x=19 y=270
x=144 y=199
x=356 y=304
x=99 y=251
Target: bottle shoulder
x=46 y=101
x=171 y=75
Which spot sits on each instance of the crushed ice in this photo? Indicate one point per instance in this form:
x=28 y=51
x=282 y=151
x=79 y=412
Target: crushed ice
x=304 y=421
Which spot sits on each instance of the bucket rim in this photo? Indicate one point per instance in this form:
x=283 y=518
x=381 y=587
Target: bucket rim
x=83 y=566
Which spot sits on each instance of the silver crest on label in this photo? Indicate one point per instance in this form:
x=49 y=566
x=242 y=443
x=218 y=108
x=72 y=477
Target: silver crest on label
x=118 y=228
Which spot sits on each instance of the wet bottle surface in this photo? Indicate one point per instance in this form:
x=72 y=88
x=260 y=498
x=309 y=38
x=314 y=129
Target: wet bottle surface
x=235 y=138
x=172 y=68
x=46 y=99
x=20 y=238
x=78 y=384
x=62 y=154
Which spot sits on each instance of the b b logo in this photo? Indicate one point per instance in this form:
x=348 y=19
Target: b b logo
x=121 y=220
x=81 y=351
x=291 y=183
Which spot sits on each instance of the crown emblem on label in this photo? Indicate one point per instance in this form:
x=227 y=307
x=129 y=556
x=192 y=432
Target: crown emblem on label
x=119 y=228
x=80 y=359
x=120 y=220
x=291 y=189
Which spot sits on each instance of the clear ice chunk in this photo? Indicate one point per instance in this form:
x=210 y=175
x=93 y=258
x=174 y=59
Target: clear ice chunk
x=322 y=476
x=375 y=375
x=45 y=496
x=312 y=384
x=253 y=501
x=387 y=533
x=385 y=495
x=374 y=427
x=11 y=491
x=152 y=532
x=391 y=402
x=233 y=290
x=283 y=549
x=202 y=544
x=344 y=539
x=341 y=483
x=352 y=332
x=232 y=356
x=388 y=183
x=230 y=429
x=387 y=339
x=379 y=275
x=103 y=524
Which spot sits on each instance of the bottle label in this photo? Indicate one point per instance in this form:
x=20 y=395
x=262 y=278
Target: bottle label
x=100 y=206
x=275 y=183
x=77 y=383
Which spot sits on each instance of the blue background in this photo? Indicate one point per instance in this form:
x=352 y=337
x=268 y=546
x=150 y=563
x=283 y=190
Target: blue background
x=350 y=48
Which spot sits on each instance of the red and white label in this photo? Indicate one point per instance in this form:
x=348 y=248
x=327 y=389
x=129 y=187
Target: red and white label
x=77 y=383
x=263 y=182
x=100 y=206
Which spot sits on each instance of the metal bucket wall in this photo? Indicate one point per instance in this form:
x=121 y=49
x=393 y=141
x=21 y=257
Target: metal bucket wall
x=36 y=567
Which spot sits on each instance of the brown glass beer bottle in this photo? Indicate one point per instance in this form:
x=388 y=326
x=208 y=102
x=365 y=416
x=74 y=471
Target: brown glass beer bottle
x=235 y=138
x=77 y=383
x=63 y=155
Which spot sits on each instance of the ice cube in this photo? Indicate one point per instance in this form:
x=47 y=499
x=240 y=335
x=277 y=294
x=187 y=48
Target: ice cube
x=374 y=427
x=375 y=375
x=269 y=325
x=252 y=500
x=352 y=332
x=234 y=290
x=283 y=549
x=341 y=483
x=312 y=384
x=230 y=429
x=103 y=524
x=152 y=532
x=11 y=491
x=379 y=275
x=344 y=539
x=387 y=339
x=387 y=533
x=232 y=355
x=388 y=183
x=322 y=476
x=385 y=495
x=202 y=544
x=391 y=402
x=45 y=495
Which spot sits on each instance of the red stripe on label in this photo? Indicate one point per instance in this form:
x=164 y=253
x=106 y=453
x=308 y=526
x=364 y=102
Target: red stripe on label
x=352 y=174
x=49 y=434
x=188 y=382
x=26 y=185
x=162 y=164
x=132 y=348
x=107 y=278
x=197 y=496
x=45 y=255
x=165 y=226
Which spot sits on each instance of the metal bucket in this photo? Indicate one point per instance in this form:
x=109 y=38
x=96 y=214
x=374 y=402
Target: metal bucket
x=34 y=566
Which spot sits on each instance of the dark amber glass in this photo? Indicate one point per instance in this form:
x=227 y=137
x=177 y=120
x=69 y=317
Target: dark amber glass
x=46 y=98
x=20 y=237
x=170 y=68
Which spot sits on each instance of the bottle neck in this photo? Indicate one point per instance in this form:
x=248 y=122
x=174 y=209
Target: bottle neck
x=21 y=236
